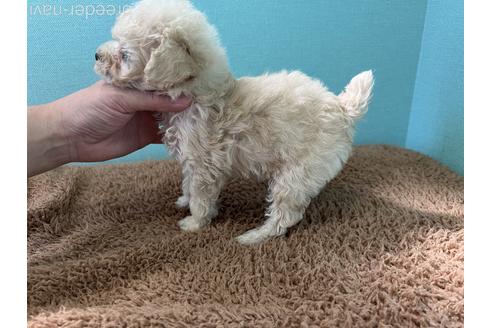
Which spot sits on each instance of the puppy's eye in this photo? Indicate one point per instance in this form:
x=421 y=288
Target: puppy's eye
x=124 y=55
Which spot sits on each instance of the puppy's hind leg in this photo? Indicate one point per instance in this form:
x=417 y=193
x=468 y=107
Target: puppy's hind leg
x=286 y=209
x=290 y=193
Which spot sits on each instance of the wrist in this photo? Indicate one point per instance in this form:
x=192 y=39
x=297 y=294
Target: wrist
x=47 y=144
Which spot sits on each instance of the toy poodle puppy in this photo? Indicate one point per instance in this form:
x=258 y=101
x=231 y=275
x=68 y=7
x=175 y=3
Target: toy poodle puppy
x=284 y=127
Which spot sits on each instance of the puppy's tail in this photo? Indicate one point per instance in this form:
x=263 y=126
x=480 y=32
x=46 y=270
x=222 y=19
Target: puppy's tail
x=357 y=95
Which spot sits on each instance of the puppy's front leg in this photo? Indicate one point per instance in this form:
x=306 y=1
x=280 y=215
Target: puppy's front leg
x=184 y=200
x=204 y=192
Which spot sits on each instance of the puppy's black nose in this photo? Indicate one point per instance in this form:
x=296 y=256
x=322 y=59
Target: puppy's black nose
x=97 y=56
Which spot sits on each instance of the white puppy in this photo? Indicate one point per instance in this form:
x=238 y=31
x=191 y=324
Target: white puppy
x=285 y=127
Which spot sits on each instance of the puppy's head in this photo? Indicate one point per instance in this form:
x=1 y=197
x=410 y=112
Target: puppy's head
x=162 y=45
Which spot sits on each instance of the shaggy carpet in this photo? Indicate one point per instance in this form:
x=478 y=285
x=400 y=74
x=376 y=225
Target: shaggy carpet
x=381 y=246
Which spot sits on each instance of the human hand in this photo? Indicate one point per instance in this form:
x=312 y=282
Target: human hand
x=95 y=124
x=104 y=122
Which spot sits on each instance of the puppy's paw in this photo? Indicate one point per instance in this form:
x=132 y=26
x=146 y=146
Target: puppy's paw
x=260 y=234
x=253 y=236
x=191 y=223
x=183 y=202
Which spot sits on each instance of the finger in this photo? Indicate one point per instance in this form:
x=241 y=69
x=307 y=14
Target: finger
x=136 y=100
x=146 y=101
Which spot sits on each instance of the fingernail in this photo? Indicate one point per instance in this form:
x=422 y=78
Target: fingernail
x=181 y=101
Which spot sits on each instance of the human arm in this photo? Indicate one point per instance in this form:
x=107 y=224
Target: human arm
x=94 y=124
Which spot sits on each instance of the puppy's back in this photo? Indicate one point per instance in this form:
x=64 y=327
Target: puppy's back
x=285 y=113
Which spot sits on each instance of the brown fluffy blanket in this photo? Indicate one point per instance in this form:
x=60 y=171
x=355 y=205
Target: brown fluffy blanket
x=381 y=246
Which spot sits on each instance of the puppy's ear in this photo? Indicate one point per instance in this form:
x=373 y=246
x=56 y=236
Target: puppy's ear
x=172 y=62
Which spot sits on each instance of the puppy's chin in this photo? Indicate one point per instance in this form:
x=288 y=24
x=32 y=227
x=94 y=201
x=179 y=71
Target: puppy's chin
x=137 y=84
x=107 y=79
x=105 y=76
x=110 y=80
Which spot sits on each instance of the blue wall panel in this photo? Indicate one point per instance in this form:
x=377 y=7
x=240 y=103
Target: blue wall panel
x=436 y=121
x=414 y=47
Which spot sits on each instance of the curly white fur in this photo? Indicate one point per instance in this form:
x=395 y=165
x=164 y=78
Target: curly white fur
x=285 y=127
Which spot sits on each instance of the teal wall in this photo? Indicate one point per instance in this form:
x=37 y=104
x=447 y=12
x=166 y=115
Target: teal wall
x=330 y=40
x=436 y=117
